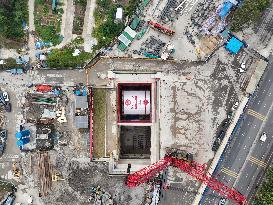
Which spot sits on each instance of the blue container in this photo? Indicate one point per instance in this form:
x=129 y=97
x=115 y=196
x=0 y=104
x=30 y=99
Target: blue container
x=77 y=92
x=25 y=133
x=18 y=135
x=23 y=142
x=84 y=92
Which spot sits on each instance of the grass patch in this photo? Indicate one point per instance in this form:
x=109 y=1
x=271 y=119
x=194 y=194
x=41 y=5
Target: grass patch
x=48 y=22
x=12 y=15
x=99 y=122
x=249 y=13
x=80 y=7
x=106 y=29
x=9 y=63
x=265 y=194
x=63 y=58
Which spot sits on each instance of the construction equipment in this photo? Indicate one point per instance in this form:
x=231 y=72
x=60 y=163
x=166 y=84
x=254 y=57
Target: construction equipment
x=16 y=170
x=192 y=168
x=161 y=28
x=57 y=177
x=167 y=51
x=4 y=101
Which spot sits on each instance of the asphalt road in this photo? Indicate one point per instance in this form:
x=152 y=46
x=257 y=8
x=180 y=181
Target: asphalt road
x=247 y=157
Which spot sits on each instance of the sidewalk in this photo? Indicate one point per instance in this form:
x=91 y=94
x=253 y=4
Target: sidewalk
x=220 y=151
x=31 y=40
x=88 y=26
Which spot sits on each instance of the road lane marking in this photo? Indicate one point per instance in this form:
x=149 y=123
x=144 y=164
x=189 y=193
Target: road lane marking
x=229 y=172
x=257 y=162
x=256 y=114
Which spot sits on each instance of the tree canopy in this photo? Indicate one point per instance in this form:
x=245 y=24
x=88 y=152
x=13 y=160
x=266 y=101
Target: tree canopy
x=12 y=15
x=249 y=13
x=265 y=194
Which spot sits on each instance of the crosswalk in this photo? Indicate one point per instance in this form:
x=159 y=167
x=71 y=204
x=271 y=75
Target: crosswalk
x=256 y=114
x=258 y=162
x=229 y=172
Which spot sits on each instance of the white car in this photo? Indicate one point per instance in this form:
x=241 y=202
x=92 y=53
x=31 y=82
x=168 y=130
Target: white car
x=263 y=137
x=6 y=96
x=222 y=201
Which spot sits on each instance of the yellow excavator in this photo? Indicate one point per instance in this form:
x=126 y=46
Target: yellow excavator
x=57 y=177
x=16 y=170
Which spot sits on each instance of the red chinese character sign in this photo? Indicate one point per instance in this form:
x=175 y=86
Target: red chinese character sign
x=136 y=102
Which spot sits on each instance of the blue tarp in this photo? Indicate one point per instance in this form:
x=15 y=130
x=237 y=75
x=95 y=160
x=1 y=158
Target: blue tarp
x=77 y=92
x=84 y=92
x=24 y=24
x=15 y=71
x=225 y=9
x=22 y=59
x=234 y=45
x=54 y=4
x=40 y=44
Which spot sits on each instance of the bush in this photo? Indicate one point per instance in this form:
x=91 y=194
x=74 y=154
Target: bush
x=131 y=7
x=9 y=63
x=49 y=33
x=12 y=14
x=249 y=13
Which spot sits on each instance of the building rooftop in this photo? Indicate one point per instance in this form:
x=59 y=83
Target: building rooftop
x=81 y=102
x=81 y=121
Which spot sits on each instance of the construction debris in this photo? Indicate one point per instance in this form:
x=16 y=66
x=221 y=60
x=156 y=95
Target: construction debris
x=45 y=173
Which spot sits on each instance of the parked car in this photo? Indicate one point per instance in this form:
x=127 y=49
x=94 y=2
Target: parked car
x=263 y=137
x=6 y=96
x=9 y=200
x=225 y=123
x=218 y=140
x=222 y=201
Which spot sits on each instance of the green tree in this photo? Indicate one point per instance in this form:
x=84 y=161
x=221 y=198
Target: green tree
x=265 y=194
x=249 y=13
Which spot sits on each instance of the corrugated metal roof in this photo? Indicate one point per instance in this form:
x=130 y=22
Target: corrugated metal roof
x=81 y=121
x=81 y=102
x=124 y=40
x=119 y=13
x=130 y=31
x=127 y=36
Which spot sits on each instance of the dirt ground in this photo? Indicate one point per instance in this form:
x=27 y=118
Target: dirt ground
x=194 y=100
x=186 y=21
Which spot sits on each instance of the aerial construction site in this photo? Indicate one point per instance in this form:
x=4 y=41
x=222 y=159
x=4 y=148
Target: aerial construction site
x=172 y=110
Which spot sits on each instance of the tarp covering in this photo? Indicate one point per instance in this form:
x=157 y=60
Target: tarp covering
x=135 y=23
x=124 y=40
x=130 y=31
x=225 y=9
x=234 y=45
x=43 y=88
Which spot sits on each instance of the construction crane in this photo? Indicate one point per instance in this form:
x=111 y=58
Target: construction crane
x=161 y=28
x=192 y=168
